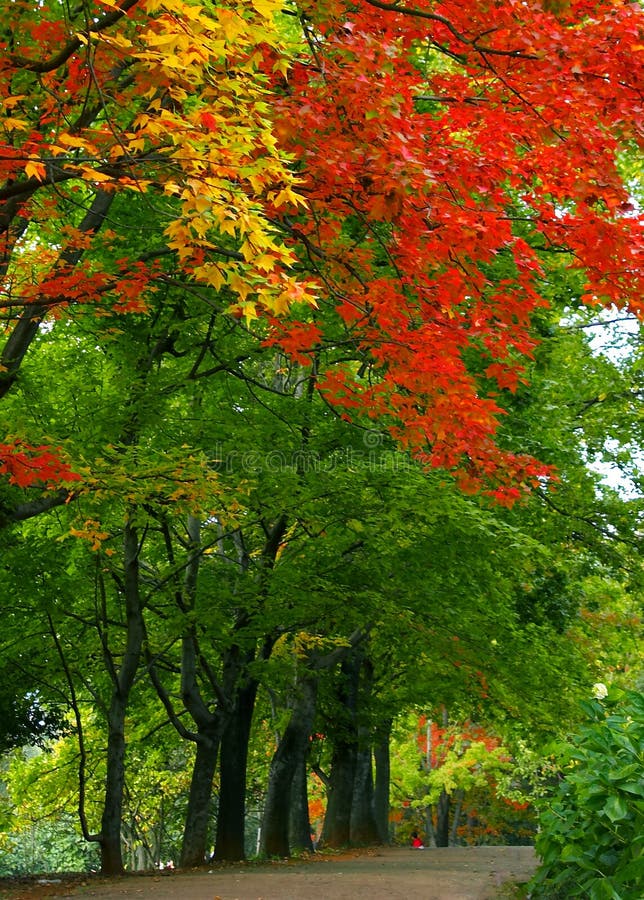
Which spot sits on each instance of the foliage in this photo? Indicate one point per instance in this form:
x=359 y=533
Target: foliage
x=592 y=838
x=473 y=768
x=252 y=256
x=40 y=800
x=433 y=236
x=24 y=720
x=47 y=846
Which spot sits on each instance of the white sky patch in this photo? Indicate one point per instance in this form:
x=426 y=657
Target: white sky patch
x=618 y=335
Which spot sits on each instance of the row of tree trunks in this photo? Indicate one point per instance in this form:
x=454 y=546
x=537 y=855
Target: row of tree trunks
x=357 y=809
x=351 y=818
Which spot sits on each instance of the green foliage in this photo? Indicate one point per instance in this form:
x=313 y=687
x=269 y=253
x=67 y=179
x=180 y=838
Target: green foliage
x=47 y=847
x=592 y=839
x=24 y=720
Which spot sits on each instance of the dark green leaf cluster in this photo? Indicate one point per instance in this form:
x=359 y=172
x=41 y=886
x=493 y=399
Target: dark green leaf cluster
x=25 y=721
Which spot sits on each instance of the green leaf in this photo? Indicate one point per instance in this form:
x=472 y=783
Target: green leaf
x=616 y=808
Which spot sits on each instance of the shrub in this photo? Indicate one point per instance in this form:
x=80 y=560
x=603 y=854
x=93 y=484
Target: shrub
x=592 y=830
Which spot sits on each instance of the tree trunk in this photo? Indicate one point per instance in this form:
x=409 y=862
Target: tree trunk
x=337 y=821
x=289 y=755
x=123 y=680
x=198 y=703
x=299 y=822
x=383 y=779
x=230 y=844
x=456 y=816
x=363 y=828
x=198 y=815
x=442 y=820
x=110 y=836
x=242 y=691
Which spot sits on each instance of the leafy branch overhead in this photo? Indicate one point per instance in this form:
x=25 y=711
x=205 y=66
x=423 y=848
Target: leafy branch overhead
x=378 y=189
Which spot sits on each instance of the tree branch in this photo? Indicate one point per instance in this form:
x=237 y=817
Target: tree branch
x=442 y=20
x=23 y=511
x=54 y=62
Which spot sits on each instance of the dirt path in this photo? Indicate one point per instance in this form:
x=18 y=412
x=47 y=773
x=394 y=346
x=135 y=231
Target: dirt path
x=455 y=873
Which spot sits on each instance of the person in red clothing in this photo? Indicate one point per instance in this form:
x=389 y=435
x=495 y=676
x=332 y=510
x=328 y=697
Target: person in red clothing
x=416 y=841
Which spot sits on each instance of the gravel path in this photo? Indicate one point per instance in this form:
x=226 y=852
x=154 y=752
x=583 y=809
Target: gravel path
x=454 y=873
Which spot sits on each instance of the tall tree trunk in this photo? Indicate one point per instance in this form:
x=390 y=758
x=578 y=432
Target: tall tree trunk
x=230 y=844
x=290 y=753
x=198 y=814
x=299 y=822
x=241 y=689
x=456 y=816
x=442 y=820
x=337 y=822
x=123 y=680
x=363 y=828
x=383 y=780
x=209 y=723
x=110 y=836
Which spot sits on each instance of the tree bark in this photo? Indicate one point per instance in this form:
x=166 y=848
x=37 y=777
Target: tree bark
x=363 y=828
x=289 y=755
x=336 y=832
x=299 y=821
x=442 y=820
x=242 y=691
x=123 y=680
x=382 y=783
x=198 y=814
x=230 y=843
x=337 y=822
x=456 y=817
x=210 y=723
x=110 y=836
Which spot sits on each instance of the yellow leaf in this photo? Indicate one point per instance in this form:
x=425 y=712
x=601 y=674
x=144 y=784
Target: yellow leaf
x=36 y=170
x=286 y=195
x=212 y=275
x=232 y=24
x=70 y=141
x=264 y=262
x=93 y=175
x=249 y=311
x=13 y=124
x=265 y=8
x=10 y=102
x=241 y=287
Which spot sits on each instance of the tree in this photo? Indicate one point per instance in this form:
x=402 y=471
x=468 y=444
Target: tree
x=117 y=100
x=416 y=201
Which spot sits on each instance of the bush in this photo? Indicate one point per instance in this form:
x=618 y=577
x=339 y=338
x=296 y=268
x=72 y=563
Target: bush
x=592 y=830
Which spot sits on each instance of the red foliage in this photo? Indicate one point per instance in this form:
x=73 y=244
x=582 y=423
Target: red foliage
x=443 y=739
x=27 y=466
x=422 y=177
